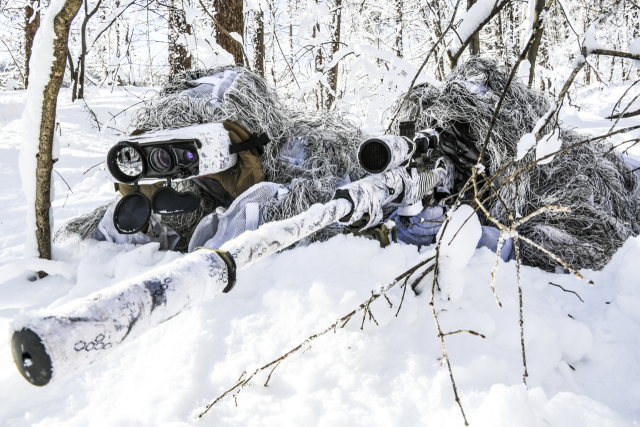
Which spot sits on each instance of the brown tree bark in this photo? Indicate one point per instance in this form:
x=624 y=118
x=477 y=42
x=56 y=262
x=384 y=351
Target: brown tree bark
x=179 y=56
x=319 y=90
x=399 y=28
x=230 y=17
x=533 y=51
x=499 y=37
x=30 y=28
x=45 y=160
x=80 y=76
x=474 y=40
x=332 y=75
x=258 y=56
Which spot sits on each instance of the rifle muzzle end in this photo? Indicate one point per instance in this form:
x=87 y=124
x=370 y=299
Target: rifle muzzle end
x=31 y=357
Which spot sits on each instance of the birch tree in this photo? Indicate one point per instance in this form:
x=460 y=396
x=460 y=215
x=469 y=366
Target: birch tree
x=37 y=156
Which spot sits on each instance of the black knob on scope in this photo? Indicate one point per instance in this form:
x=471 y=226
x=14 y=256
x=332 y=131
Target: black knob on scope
x=407 y=129
x=426 y=140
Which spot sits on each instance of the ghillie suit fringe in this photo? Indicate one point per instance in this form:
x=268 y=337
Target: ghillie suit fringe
x=330 y=145
x=329 y=142
x=83 y=226
x=186 y=224
x=601 y=191
x=248 y=101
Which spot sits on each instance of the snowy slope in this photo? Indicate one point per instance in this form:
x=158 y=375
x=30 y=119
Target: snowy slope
x=387 y=375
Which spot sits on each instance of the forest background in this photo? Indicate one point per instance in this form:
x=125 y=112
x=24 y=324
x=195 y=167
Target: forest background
x=353 y=56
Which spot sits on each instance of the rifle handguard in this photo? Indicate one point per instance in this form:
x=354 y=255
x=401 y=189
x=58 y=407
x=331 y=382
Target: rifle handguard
x=370 y=194
x=395 y=187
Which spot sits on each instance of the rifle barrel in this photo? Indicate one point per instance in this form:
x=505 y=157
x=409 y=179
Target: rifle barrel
x=52 y=344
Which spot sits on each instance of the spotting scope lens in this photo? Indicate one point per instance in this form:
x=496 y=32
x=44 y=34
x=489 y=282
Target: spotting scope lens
x=130 y=161
x=160 y=160
x=126 y=163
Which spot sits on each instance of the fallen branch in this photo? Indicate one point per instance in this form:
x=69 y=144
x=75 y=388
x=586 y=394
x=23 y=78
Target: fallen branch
x=566 y=290
x=445 y=355
x=617 y=53
x=241 y=383
x=92 y=168
x=624 y=115
x=465 y=331
x=524 y=354
x=269 y=377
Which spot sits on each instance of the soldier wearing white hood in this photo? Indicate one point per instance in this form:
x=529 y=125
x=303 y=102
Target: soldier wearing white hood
x=259 y=161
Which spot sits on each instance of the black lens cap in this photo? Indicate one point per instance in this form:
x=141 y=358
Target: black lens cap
x=132 y=213
x=167 y=201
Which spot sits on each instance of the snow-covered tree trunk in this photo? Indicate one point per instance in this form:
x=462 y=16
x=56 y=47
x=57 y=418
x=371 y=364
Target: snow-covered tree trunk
x=474 y=43
x=31 y=24
x=399 y=25
x=37 y=154
x=332 y=75
x=80 y=77
x=533 y=51
x=478 y=15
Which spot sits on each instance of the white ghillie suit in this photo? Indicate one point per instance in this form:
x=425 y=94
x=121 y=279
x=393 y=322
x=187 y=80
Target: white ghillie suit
x=601 y=190
x=310 y=153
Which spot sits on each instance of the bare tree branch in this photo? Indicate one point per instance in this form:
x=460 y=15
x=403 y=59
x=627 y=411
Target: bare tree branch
x=566 y=290
x=243 y=382
x=453 y=16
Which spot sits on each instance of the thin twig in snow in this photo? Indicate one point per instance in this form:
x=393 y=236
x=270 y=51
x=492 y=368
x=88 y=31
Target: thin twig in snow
x=243 y=382
x=566 y=290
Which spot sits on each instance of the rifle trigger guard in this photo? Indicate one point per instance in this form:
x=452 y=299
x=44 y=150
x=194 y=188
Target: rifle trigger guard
x=231 y=267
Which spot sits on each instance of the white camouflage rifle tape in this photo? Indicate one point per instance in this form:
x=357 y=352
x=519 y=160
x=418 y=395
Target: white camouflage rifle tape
x=50 y=344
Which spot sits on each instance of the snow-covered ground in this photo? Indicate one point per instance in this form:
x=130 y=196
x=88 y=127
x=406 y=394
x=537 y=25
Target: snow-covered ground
x=583 y=353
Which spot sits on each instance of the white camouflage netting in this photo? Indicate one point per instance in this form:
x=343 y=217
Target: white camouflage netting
x=601 y=190
x=310 y=152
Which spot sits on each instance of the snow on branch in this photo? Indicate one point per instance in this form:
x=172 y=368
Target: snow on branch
x=477 y=17
x=108 y=22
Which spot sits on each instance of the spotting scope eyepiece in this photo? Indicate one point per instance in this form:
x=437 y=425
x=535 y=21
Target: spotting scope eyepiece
x=426 y=140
